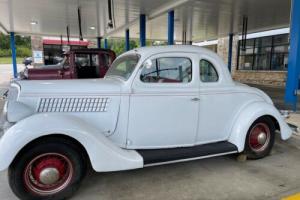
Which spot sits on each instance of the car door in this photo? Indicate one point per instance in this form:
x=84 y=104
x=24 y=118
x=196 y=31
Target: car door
x=218 y=103
x=164 y=103
x=66 y=68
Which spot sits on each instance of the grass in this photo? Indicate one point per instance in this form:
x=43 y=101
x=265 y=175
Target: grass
x=8 y=60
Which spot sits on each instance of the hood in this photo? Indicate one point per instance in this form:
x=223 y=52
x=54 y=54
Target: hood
x=69 y=87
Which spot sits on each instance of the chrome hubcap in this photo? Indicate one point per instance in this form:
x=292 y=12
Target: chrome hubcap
x=262 y=138
x=49 y=176
x=259 y=137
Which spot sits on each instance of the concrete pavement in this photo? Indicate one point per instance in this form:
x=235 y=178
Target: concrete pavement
x=6 y=72
x=271 y=178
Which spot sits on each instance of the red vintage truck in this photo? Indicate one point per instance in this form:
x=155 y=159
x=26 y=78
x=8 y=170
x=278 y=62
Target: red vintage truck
x=77 y=64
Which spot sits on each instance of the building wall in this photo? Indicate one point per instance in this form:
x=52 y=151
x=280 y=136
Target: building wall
x=222 y=50
x=268 y=78
x=36 y=45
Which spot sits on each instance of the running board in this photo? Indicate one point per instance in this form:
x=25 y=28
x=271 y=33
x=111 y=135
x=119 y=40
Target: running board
x=165 y=156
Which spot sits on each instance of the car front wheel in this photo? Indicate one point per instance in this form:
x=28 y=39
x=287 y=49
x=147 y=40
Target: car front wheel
x=260 y=138
x=50 y=170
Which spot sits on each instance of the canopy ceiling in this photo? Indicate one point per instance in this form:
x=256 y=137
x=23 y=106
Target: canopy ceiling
x=200 y=19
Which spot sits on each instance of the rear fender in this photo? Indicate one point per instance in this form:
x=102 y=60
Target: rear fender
x=246 y=118
x=104 y=154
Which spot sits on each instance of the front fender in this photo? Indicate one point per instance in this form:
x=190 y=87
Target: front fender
x=246 y=118
x=104 y=155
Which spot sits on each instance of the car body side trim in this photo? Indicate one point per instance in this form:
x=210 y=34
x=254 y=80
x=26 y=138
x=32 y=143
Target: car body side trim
x=170 y=154
x=190 y=159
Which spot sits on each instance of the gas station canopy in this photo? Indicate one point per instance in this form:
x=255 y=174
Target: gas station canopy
x=199 y=20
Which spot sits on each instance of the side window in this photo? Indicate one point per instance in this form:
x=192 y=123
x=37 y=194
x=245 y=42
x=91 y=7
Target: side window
x=82 y=60
x=95 y=60
x=105 y=59
x=208 y=72
x=167 y=70
x=86 y=60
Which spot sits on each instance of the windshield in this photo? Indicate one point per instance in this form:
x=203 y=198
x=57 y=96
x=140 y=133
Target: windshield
x=123 y=66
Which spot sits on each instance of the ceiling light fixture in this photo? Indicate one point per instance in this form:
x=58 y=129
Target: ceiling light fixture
x=33 y=22
x=92 y=27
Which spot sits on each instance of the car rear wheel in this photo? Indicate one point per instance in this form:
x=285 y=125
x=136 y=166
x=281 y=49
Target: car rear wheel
x=51 y=170
x=260 y=138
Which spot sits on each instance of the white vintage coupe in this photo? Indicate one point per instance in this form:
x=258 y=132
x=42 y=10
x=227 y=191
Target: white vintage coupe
x=156 y=105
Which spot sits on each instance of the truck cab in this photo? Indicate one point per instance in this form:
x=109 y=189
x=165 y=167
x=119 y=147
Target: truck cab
x=76 y=64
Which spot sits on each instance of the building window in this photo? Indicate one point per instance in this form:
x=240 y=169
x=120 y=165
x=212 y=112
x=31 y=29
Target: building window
x=265 y=53
x=167 y=70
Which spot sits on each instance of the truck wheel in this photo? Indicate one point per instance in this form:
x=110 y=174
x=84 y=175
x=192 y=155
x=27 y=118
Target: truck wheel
x=49 y=170
x=260 y=138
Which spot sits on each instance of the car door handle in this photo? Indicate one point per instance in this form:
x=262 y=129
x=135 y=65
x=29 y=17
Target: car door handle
x=195 y=99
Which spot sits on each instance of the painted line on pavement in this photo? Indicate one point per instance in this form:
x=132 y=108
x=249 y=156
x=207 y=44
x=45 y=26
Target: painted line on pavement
x=292 y=197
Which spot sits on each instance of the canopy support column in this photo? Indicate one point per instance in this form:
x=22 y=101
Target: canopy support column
x=230 y=51
x=294 y=57
x=127 y=40
x=142 y=30
x=171 y=27
x=13 y=54
x=105 y=43
x=99 y=42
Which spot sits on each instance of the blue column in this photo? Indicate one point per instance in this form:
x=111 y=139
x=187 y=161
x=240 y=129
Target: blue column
x=171 y=27
x=105 y=43
x=99 y=42
x=230 y=51
x=142 y=30
x=13 y=53
x=127 y=40
x=294 y=56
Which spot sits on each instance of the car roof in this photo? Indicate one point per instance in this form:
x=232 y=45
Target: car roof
x=152 y=50
x=172 y=48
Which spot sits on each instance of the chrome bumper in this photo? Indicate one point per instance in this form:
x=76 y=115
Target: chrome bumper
x=285 y=113
x=294 y=128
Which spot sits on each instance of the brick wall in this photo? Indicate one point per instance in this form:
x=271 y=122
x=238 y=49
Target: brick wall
x=269 y=78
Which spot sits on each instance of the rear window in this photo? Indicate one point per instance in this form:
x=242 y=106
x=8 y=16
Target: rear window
x=86 y=60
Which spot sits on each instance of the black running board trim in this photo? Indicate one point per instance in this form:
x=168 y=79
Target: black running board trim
x=163 y=156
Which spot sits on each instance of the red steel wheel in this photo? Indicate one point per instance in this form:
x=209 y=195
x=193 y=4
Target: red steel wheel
x=48 y=174
x=259 y=137
x=48 y=169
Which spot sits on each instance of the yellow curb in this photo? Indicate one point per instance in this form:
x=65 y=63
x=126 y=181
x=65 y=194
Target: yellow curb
x=292 y=197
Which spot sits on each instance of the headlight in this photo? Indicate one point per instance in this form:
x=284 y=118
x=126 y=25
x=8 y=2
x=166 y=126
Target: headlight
x=4 y=112
x=13 y=92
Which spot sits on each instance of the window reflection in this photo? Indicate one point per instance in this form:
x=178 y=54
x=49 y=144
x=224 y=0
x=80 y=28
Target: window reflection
x=266 y=53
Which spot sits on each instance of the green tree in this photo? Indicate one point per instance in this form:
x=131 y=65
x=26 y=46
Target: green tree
x=23 y=46
x=118 y=44
x=4 y=41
